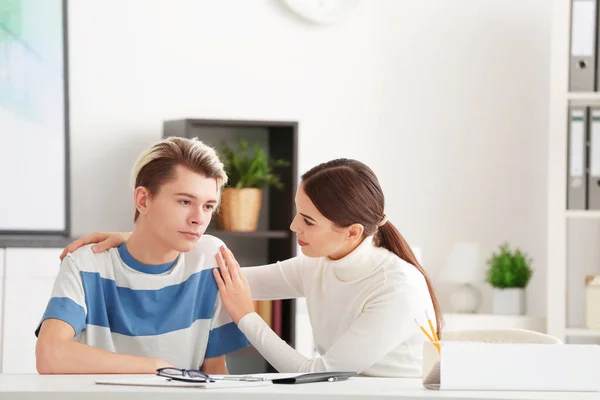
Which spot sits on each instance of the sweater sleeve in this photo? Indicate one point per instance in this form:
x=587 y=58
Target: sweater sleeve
x=281 y=280
x=386 y=322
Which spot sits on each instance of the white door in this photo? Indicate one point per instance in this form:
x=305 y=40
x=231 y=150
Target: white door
x=28 y=279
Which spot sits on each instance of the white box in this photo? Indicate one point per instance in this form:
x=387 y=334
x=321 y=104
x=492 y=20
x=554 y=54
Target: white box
x=592 y=302
x=511 y=366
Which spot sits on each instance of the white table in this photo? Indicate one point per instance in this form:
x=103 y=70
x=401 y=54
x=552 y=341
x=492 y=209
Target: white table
x=82 y=387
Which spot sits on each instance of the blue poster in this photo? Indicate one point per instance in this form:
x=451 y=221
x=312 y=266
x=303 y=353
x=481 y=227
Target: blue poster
x=32 y=116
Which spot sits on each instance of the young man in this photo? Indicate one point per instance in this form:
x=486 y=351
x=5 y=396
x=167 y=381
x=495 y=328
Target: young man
x=152 y=302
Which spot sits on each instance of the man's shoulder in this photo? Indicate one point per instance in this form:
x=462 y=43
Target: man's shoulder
x=208 y=244
x=203 y=254
x=85 y=259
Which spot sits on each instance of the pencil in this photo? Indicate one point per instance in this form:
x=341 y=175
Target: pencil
x=436 y=344
x=424 y=331
x=433 y=332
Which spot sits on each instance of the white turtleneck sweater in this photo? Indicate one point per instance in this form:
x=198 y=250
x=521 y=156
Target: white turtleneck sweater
x=362 y=310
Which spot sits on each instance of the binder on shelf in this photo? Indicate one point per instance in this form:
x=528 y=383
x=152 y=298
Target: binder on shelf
x=277 y=321
x=593 y=180
x=583 y=66
x=577 y=155
x=265 y=310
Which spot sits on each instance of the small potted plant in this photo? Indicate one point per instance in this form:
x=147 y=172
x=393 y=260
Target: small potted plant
x=249 y=170
x=509 y=273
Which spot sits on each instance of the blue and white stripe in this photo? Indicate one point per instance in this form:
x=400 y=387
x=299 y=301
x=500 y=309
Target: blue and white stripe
x=171 y=311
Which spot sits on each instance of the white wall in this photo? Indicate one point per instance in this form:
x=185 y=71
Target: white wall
x=445 y=100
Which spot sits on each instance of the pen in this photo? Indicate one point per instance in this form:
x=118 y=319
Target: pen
x=336 y=379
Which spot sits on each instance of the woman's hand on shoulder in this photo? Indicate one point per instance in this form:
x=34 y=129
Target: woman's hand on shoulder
x=103 y=240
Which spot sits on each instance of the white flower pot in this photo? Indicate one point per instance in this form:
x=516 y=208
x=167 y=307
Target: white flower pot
x=508 y=301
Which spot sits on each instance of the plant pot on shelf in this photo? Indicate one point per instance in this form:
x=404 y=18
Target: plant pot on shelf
x=239 y=209
x=509 y=273
x=508 y=301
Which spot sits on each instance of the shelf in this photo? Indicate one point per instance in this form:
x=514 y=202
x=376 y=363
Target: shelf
x=582 y=332
x=456 y=321
x=254 y=234
x=583 y=214
x=584 y=97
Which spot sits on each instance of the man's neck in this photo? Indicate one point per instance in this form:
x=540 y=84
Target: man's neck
x=147 y=249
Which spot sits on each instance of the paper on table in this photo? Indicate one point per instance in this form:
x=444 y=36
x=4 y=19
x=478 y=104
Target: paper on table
x=267 y=375
x=164 y=382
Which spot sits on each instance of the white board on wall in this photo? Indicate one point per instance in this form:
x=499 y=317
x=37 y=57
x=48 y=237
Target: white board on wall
x=33 y=118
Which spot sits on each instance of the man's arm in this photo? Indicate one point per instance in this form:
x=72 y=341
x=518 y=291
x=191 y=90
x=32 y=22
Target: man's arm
x=57 y=353
x=215 y=365
x=65 y=317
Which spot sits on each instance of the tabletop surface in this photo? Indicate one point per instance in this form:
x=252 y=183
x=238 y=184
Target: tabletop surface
x=67 y=387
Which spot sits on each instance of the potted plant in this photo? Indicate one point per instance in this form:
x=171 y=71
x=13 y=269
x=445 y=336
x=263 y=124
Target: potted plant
x=508 y=273
x=249 y=170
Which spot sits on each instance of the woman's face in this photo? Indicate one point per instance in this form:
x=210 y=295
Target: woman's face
x=318 y=236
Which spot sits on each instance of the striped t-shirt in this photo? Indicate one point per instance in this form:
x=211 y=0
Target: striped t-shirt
x=171 y=311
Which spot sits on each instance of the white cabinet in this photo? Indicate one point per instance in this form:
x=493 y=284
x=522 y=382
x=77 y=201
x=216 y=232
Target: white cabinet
x=571 y=233
x=1 y=300
x=29 y=275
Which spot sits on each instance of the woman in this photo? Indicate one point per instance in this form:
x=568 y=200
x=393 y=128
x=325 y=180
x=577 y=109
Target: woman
x=363 y=285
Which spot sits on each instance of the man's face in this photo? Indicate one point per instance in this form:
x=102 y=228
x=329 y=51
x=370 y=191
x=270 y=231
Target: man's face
x=182 y=209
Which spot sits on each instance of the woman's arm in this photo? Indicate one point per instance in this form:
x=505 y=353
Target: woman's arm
x=103 y=241
x=386 y=321
x=274 y=281
x=382 y=326
x=280 y=280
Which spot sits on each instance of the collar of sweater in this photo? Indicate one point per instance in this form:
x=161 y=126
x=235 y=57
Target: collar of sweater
x=362 y=261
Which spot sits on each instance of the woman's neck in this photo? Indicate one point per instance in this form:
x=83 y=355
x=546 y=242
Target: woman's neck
x=358 y=263
x=346 y=250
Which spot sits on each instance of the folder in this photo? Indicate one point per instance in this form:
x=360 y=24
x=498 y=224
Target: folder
x=577 y=156
x=593 y=180
x=583 y=67
x=511 y=366
x=265 y=310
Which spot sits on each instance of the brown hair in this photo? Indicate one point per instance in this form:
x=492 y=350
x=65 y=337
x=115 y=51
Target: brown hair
x=156 y=165
x=340 y=188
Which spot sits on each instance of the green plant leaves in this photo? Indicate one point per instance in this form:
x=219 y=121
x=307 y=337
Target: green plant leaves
x=249 y=166
x=508 y=269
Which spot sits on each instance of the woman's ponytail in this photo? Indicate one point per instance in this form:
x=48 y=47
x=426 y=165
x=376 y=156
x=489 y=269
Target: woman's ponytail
x=388 y=237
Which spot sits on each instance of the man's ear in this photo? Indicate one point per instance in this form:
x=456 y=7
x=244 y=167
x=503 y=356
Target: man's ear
x=141 y=196
x=355 y=231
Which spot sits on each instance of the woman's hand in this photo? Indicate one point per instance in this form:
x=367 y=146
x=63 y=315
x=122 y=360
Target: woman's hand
x=104 y=240
x=233 y=287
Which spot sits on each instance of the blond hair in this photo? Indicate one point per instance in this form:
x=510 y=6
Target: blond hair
x=155 y=166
